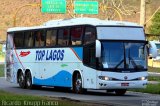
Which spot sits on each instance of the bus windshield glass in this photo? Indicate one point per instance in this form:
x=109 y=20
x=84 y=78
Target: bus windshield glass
x=123 y=55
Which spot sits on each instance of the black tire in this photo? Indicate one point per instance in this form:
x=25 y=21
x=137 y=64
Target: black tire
x=77 y=83
x=120 y=92
x=21 y=80
x=28 y=80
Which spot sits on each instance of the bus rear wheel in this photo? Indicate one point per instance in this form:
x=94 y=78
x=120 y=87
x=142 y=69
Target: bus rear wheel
x=120 y=92
x=77 y=83
x=21 y=80
x=28 y=80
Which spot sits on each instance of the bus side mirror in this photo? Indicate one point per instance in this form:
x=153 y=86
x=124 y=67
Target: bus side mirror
x=98 y=48
x=152 y=49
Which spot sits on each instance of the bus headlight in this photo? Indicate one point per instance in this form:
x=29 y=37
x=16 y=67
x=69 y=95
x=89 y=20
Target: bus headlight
x=142 y=78
x=104 y=78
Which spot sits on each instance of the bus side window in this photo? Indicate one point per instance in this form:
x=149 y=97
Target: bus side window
x=18 y=39
x=89 y=55
x=90 y=35
x=39 y=39
x=51 y=37
x=76 y=35
x=29 y=39
x=63 y=37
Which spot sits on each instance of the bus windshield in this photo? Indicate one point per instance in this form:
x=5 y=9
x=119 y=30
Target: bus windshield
x=123 y=55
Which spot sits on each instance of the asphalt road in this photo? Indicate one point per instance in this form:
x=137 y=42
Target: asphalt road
x=98 y=97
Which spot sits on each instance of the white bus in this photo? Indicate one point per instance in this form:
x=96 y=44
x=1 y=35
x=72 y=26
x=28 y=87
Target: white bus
x=79 y=53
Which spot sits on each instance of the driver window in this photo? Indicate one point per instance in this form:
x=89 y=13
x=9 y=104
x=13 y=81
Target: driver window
x=90 y=35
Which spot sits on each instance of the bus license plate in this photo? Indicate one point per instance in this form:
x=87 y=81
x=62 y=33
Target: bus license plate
x=124 y=84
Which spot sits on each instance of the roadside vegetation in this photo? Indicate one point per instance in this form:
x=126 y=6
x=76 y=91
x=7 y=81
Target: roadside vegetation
x=2 y=54
x=153 y=69
x=151 y=88
x=1 y=70
x=11 y=99
x=154 y=78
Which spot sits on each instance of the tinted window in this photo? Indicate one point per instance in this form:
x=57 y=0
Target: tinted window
x=63 y=37
x=18 y=39
x=90 y=35
x=76 y=35
x=51 y=37
x=29 y=39
x=39 y=39
x=89 y=55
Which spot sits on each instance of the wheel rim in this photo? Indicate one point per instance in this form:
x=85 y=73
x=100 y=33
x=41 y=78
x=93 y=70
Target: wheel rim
x=28 y=80
x=21 y=80
x=78 y=84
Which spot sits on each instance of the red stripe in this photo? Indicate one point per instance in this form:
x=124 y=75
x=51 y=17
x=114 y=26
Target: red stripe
x=18 y=56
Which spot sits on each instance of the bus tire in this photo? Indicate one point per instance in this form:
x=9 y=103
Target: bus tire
x=28 y=80
x=21 y=80
x=120 y=92
x=77 y=83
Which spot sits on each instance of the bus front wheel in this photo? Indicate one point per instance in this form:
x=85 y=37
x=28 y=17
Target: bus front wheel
x=21 y=80
x=77 y=83
x=120 y=91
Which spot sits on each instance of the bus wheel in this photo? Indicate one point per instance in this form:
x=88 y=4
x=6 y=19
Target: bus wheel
x=21 y=80
x=77 y=83
x=120 y=92
x=28 y=80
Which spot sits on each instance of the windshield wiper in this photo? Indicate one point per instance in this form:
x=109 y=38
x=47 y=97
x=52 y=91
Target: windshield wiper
x=135 y=65
x=119 y=64
x=123 y=60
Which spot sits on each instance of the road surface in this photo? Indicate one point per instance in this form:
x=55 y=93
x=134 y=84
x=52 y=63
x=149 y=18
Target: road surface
x=154 y=74
x=98 y=97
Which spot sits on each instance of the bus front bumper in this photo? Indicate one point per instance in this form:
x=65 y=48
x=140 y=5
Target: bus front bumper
x=102 y=84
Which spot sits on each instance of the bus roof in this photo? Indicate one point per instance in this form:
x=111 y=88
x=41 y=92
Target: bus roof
x=75 y=21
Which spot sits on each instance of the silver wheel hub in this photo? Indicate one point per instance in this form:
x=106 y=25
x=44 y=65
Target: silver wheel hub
x=78 y=84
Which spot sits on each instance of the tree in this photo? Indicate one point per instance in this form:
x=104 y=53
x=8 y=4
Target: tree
x=155 y=27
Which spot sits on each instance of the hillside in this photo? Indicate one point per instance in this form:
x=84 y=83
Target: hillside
x=29 y=16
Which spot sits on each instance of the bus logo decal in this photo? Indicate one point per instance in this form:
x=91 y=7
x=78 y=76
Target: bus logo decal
x=125 y=77
x=23 y=54
x=54 y=55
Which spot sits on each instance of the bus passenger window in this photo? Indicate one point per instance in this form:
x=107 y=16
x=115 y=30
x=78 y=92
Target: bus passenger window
x=89 y=55
x=63 y=37
x=90 y=35
x=39 y=39
x=18 y=39
x=51 y=37
x=76 y=35
x=29 y=39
